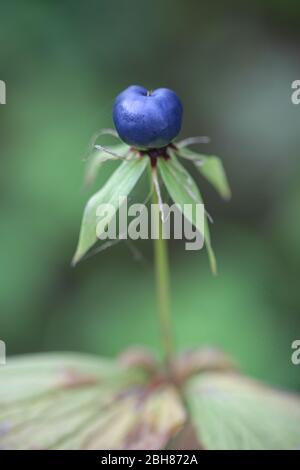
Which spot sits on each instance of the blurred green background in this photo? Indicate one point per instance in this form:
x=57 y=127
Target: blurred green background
x=232 y=66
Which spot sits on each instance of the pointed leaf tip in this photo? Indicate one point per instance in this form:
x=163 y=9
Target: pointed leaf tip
x=212 y=262
x=211 y=168
x=118 y=186
x=183 y=190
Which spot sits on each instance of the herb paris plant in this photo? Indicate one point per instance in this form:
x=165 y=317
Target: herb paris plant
x=148 y=122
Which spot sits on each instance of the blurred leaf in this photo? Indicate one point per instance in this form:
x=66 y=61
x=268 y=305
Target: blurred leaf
x=203 y=359
x=66 y=401
x=232 y=412
x=119 y=185
x=211 y=167
x=183 y=190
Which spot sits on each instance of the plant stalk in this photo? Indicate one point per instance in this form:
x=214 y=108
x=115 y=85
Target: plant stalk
x=162 y=277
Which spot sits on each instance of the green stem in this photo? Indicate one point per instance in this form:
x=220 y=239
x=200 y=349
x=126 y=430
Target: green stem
x=162 y=275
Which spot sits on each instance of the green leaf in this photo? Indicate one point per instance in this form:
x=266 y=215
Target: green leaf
x=73 y=401
x=120 y=184
x=233 y=412
x=183 y=190
x=211 y=167
x=99 y=156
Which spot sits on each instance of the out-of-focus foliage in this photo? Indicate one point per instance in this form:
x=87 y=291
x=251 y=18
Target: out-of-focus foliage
x=76 y=401
x=84 y=402
x=232 y=412
x=232 y=66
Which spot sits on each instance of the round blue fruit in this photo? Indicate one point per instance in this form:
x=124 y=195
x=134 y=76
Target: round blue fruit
x=147 y=119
